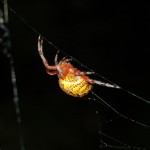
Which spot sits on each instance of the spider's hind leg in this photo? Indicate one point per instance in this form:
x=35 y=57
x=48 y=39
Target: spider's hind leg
x=104 y=84
x=87 y=72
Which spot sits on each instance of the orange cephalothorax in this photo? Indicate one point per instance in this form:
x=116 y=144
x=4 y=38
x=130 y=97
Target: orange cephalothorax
x=71 y=80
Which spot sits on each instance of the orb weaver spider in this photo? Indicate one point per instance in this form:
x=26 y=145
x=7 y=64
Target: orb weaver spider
x=71 y=80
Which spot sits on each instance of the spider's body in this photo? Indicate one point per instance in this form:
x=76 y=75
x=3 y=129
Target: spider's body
x=71 y=80
x=75 y=86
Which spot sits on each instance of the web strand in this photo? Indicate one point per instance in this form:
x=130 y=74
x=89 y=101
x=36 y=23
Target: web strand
x=37 y=32
x=106 y=104
x=117 y=112
x=105 y=145
x=120 y=88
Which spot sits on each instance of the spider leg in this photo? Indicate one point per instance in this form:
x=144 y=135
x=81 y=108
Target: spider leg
x=57 y=64
x=83 y=74
x=103 y=84
x=56 y=58
x=52 y=72
x=65 y=59
x=87 y=72
x=62 y=60
x=40 y=50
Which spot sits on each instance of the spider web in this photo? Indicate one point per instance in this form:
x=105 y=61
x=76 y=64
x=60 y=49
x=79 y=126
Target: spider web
x=117 y=144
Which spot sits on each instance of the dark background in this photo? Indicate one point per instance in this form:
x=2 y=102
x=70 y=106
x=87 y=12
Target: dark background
x=112 y=38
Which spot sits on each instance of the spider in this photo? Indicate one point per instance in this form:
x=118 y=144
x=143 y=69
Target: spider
x=71 y=80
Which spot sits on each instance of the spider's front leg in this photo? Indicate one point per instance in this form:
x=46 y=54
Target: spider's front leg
x=51 y=70
x=92 y=81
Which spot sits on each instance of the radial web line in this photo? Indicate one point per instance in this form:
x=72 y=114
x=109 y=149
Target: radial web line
x=125 y=146
x=117 y=112
x=105 y=145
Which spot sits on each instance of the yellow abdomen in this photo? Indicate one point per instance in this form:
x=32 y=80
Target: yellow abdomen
x=75 y=85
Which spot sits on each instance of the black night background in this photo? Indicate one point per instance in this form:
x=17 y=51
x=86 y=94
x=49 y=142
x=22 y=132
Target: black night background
x=110 y=37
